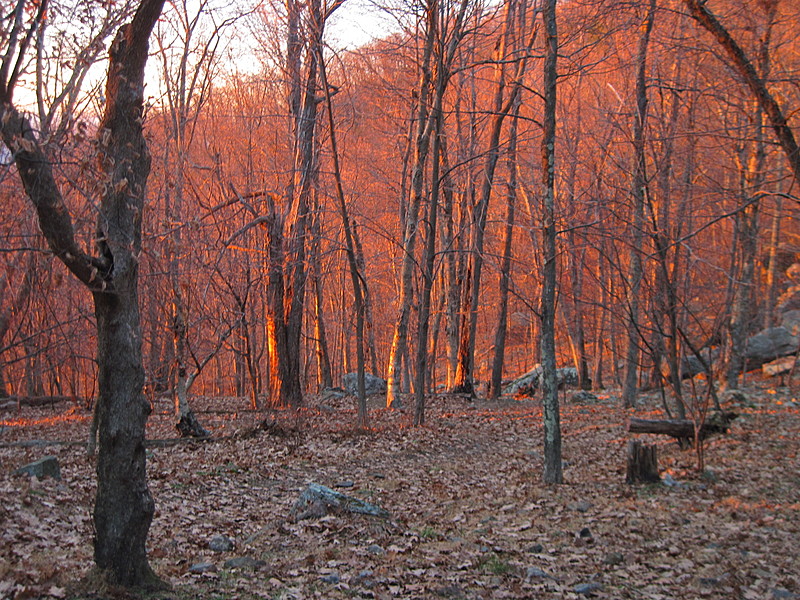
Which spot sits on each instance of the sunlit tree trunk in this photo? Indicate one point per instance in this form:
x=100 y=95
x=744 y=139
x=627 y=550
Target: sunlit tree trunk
x=324 y=372
x=422 y=135
x=498 y=359
x=429 y=253
x=502 y=104
x=288 y=220
x=638 y=197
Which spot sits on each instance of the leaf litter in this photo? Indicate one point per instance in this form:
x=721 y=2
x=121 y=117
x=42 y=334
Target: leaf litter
x=470 y=516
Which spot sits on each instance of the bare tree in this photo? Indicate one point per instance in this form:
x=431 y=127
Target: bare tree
x=748 y=72
x=639 y=197
x=123 y=507
x=189 y=59
x=423 y=129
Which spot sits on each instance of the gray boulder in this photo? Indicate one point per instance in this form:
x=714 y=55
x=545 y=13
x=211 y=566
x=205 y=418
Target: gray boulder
x=768 y=345
x=45 y=467
x=372 y=383
x=526 y=385
x=691 y=365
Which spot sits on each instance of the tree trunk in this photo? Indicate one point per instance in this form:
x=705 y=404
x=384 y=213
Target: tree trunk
x=552 y=424
x=498 y=360
x=124 y=507
x=756 y=83
x=424 y=126
x=638 y=195
x=502 y=106
x=428 y=257
x=352 y=262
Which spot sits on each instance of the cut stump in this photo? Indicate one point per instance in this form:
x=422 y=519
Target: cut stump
x=642 y=463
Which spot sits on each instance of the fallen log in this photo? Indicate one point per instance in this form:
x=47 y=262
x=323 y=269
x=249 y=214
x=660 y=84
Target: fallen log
x=11 y=402
x=317 y=501
x=683 y=429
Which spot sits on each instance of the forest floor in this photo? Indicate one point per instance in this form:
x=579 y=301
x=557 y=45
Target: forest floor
x=470 y=516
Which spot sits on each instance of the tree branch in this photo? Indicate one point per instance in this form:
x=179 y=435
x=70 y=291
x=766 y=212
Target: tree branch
x=745 y=68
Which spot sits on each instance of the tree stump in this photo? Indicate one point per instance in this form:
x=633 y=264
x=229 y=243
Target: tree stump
x=642 y=463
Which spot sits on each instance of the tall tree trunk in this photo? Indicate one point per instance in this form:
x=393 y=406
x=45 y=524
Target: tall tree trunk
x=123 y=507
x=352 y=262
x=288 y=229
x=638 y=196
x=552 y=423
x=422 y=135
x=444 y=60
x=501 y=107
x=498 y=359
x=428 y=257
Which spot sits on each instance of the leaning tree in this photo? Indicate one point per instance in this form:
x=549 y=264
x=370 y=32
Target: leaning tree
x=123 y=507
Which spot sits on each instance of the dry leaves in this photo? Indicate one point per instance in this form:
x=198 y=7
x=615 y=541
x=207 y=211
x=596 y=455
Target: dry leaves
x=470 y=516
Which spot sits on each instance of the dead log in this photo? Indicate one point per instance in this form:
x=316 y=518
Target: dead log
x=642 y=463
x=683 y=429
x=317 y=501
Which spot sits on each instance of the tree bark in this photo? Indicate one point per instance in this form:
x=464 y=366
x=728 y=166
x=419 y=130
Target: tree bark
x=638 y=195
x=642 y=463
x=123 y=507
x=424 y=127
x=552 y=424
x=498 y=360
